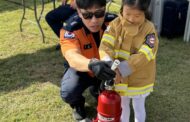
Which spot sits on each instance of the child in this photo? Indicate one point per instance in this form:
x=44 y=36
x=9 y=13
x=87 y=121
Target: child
x=133 y=40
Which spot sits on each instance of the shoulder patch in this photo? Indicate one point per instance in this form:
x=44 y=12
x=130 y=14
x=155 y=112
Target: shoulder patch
x=69 y=35
x=150 y=40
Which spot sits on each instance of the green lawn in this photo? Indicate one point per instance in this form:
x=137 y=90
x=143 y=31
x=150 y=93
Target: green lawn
x=30 y=72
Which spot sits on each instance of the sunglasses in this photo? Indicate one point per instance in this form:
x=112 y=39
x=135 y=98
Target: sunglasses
x=97 y=14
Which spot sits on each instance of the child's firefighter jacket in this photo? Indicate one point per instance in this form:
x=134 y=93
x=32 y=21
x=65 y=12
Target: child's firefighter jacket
x=137 y=45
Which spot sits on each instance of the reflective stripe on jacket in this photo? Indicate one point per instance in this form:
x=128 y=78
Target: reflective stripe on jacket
x=124 y=90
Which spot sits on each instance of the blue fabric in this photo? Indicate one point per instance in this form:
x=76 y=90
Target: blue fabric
x=56 y=17
x=73 y=84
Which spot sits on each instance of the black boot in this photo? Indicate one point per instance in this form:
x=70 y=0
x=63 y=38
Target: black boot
x=79 y=112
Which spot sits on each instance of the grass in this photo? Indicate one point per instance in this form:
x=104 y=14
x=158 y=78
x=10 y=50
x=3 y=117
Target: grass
x=30 y=72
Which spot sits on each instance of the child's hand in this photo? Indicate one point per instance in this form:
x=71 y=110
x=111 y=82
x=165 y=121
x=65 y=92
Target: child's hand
x=118 y=77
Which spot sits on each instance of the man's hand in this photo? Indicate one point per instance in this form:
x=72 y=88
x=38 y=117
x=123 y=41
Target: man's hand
x=64 y=1
x=73 y=4
x=101 y=69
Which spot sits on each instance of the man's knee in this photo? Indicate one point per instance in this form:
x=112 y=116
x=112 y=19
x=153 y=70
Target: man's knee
x=66 y=96
x=48 y=16
x=67 y=87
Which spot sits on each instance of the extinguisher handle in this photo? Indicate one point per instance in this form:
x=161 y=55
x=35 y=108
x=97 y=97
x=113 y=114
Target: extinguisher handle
x=115 y=64
x=113 y=67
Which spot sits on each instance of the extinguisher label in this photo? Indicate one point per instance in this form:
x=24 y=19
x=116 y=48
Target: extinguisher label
x=106 y=119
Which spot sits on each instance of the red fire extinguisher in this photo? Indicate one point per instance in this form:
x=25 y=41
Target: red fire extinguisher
x=109 y=102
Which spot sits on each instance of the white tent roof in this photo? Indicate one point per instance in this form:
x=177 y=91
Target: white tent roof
x=156 y=7
x=187 y=28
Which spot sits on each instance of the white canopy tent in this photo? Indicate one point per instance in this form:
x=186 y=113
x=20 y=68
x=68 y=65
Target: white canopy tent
x=156 y=8
x=187 y=27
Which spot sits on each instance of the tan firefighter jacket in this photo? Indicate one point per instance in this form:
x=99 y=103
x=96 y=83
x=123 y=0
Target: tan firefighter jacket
x=136 y=44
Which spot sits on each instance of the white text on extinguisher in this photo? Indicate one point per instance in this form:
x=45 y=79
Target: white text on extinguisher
x=106 y=119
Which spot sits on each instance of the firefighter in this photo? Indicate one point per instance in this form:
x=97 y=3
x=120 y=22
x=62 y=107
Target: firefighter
x=56 y=17
x=79 y=40
x=132 y=39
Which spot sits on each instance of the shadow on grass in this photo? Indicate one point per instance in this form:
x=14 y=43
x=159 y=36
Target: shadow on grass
x=7 y=5
x=46 y=65
x=20 y=71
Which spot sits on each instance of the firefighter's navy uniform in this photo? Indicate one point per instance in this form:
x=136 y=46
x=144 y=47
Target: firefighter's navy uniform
x=56 y=17
x=75 y=35
x=136 y=47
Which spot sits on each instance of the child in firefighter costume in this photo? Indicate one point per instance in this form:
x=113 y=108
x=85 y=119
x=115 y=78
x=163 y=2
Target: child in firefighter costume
x=132 y=39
